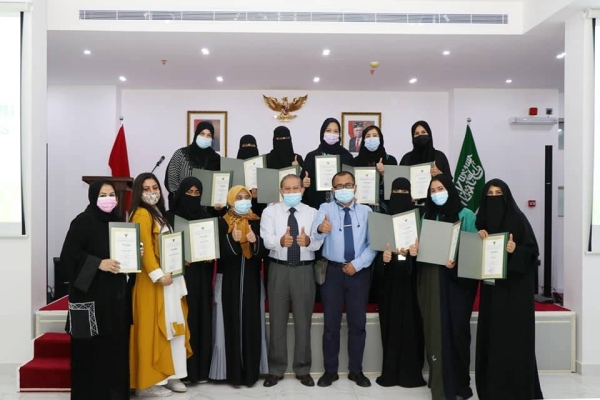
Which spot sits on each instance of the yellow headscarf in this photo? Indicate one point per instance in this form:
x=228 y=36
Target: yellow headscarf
x=241 y=220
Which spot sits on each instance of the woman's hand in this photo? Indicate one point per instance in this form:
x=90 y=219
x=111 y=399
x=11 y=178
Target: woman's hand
x=109 y=265
x=166 y=280
x=450 y=264
x=387 y=254
x=483 y=234
x=236 y=234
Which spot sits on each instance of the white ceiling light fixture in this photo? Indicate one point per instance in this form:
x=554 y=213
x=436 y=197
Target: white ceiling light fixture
x=316 y=79
x=122 y=79
x=219 y=79
x=205 y=51
x=509 y=81
x=413 y=80
x=326 y=52
x=561 y=55
x=87 y=52
x=446 y=52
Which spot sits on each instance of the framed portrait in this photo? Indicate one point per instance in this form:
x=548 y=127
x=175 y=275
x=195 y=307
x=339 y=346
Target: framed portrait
x=353 y=124
x=218 y=119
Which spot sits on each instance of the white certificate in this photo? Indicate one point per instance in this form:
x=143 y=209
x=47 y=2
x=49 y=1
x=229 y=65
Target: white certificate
x=367 y=185
x=171 y=253
x=454 y=241
x=202 y=240
x=250 y=174
x=220 y=188
x=494 y=250
x=420 y=178
x=326 y=167
x=125 y=246
x=405 y=229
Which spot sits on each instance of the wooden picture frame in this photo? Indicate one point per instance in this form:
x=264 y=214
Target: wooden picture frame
x=219 y=121
x=353 y=124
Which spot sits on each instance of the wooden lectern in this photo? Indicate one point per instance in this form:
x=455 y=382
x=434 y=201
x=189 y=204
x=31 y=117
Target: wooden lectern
x=122 y=185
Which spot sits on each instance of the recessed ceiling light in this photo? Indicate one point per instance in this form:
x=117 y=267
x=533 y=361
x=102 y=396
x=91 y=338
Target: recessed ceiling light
x=316 y=79
x=326 y=52
x=122 y=78
x=205 y=51
x=509 y=81
x=413 y=80
x=446 y=52
x=87 y=52
x=219 y=79
x=561 y=55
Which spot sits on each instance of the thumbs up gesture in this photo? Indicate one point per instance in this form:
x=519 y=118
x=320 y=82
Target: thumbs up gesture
x=236 y=233
x=380 y=167
x=511 y=245
x=306 y=180
x=303 y=240
x=295 y=162
x=250 y=236
x=387 y=254
x=325 y=226
x=414 y=248
x=286 y=240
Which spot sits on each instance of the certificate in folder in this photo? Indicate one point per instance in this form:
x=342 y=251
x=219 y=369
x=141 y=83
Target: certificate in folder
x=367 y=184
x=125 y=246
x=482 y=258
x=244 y=171
x=216 y=185
x=438 y=242
x=237 y=170
x=201 y=238
x=269 y=183
x=172 y=253
x=418 y=175
x=326 y=167
x=399 y=230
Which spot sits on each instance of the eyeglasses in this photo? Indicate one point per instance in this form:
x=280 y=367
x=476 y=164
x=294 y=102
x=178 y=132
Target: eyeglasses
x=341 y=186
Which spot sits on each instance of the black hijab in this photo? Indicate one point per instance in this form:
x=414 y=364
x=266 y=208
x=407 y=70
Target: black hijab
x=449 y=211
x=502 y=214
x=365 y=156
x=186 y=206
x=247 y=152
x=200 y=158
x=331 y=148
x=400 y=202
x=282 y=154
x=92 y=208
x=423 y=150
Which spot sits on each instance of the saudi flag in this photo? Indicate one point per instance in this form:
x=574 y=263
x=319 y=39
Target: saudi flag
x=469 y=177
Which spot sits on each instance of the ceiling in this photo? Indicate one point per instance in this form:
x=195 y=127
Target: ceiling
x=291 y=61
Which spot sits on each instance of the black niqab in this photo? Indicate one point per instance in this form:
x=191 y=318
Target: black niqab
x=423 y=152
x=365 y=156
x=449 y=211
x=400 y=202
x=186 y=206
x=247 y=152
x=282 y=154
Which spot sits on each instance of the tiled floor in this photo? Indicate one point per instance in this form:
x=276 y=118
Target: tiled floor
x=554 y=386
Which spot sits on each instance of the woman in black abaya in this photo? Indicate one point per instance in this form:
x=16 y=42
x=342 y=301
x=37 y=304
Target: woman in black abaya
x=198 y=279
x=97 y=293
x=399 y=315
x=505 y=364
x=424 y=152
x=283 y=155
x=248 y=148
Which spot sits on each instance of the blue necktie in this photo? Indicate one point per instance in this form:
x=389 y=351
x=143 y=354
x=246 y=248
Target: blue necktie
x=293 y=253
x=348 y=236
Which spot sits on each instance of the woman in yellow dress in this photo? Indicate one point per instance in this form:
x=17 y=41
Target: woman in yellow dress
x=160 y=336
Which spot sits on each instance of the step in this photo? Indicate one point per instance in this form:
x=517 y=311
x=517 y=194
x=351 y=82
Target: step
x=45 y=374
x=52 y=345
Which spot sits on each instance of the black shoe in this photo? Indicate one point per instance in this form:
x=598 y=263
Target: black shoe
x=306 y=380
x=360 y=379
x=327 y=379
x=272 y=380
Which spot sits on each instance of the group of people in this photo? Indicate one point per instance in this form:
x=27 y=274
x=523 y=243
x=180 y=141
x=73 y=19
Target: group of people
x=151 y=331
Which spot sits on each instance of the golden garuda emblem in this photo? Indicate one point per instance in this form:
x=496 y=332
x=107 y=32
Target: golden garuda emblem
x=284 y=107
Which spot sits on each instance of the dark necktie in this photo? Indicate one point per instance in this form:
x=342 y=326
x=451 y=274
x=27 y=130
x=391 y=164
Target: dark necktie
x=348 y=236
x=294 y=250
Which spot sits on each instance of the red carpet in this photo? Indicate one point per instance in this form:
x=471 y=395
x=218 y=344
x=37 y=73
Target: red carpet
x=50 y=369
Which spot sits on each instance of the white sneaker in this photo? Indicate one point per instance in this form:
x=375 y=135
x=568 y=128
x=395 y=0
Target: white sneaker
x=176 y=386
x=154 y=391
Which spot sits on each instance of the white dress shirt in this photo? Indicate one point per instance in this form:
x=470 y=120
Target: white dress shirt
x=274 y=223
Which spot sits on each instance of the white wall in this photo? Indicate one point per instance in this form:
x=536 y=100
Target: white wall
x=512 y=153
x=81 y=131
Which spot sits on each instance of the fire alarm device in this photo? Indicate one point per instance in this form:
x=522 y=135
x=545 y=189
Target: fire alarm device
x=531 y=203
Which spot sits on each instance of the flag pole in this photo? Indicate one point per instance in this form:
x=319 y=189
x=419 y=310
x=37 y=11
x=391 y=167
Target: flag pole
x=121 y=119
x=468 y=121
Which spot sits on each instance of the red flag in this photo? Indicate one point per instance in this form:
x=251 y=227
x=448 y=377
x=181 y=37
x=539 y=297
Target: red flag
x=119 y=161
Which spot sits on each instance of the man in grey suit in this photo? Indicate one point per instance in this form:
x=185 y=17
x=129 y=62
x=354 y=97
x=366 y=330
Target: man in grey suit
x=286 y=231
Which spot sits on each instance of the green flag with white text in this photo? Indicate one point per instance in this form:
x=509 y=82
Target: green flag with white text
x=469 y=177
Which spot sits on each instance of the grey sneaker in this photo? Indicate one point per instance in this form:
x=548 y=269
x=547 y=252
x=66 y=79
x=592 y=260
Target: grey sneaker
x=176 y=386
x=154 y=391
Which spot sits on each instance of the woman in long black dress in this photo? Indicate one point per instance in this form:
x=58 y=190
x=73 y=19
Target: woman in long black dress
x=282 y=155
x=248 y=148
x=239 y=350
x=98 y=318
x=399 y=315
x=424 y=152
x=198 y=279
x=505 y=366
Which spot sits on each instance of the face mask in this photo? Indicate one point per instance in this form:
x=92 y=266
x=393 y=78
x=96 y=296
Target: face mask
x=242 y=207
x=495 y=213
x=107 y=204
x=421 y=141
x=150 y=198
x=372 y=144
x=203 y=142
x=344 y=195
x=292 y=199
x=331 y=138
x=440 y=198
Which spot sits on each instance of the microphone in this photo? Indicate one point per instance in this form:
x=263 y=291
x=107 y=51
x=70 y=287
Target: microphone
x=162 y=158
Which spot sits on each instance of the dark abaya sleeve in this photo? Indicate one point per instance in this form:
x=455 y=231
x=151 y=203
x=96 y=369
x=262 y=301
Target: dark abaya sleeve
x=300 y=161
x=442 y=164
x=79 y=265
x=310 y=192
x=526 y=253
